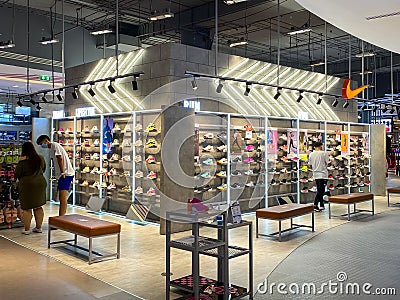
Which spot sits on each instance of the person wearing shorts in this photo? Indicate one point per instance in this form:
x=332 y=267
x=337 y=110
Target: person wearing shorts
x=63 y=169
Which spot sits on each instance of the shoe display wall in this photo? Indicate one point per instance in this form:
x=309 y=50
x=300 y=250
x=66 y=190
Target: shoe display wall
x=266 y=158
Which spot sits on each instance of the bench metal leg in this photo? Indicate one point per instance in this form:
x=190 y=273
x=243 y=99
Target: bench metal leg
x=312 y=221
x=348 y=212
x=90 y=250
x=76 y=240
x=291 y=222
x=329 y=208
x=48 y=237
x=388 y=198
x=119 y=245
x=256 y=227
x=373 y=206
x=280 y=230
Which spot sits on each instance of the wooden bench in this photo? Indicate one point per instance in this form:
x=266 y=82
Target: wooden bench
x=284 y=212
x=392 y=190
x=86 y=227
x=351 y=199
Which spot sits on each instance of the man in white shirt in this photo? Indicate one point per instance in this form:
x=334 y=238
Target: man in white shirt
x=63 y=169
x=319 y=161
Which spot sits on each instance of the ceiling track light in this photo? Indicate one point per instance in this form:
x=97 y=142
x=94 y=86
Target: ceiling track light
x=75 y=93
x=384 y=109
x=194 y=83
x=359 y=116
x=335 y=102
x=91 y=91
x=364 y=106
x=6 y=44
x=155 y=16
x=236 y=43
x=59 y=97
x=111 y=88
x=295 y=31
x=300 y=97
x=135 y=84
x=247 y=90
x=19 y=103
x=278 y=94
x=220 y=86
x=230 y=2
x=101 y=31
x=375 y=108
x=319 y=101
x=346 y=104
x=392 y=110
x=32 y=101
x=38 y=107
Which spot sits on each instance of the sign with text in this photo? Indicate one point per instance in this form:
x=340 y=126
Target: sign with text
x=58 y=114
x=85 y=111
x=345 y=143
x=45 y=77
x=192 y=104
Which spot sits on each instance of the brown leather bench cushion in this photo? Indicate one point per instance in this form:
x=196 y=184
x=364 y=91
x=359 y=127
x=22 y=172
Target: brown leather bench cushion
x=83 y=225
x=351 y=198
x=394 y=190
x=284 y=211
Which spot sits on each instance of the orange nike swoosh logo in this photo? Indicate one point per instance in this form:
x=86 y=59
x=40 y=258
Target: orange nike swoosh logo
x=348 y=93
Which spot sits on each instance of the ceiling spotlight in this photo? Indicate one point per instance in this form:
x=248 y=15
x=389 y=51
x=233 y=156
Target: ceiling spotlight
x=384 y=109
x=38 y=107
x=392 y=110
x=91 y=91
x=237 y=43
x=365 y=54
x=44 y=98
x=100 y=31
x=346 y=104
x=75 y=93
x=364 y=106
x=247 y=90
x=6 y=44
x=230 y=2
x=48 y=41
x=111 y=88
x=300 y=97
x=319 y=101
x=19 y=103
x=278 y=94
x=32 y=101
x=359 y=116
x=375 y=108
x=335 y=102
x=194 y=83
x=161 y=15
x=295 y=31
x=220 y=86
x=59 y=97
x=134 y=84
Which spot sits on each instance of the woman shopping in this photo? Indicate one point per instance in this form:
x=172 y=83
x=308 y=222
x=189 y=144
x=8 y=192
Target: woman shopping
x=31 y=187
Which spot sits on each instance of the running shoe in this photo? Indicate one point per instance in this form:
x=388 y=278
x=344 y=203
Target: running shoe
x=96 y=143
x=304 y=190
x=94 y=129
x=249 y=172
x=113 y=172
x=222 y=148
x=126 y=158
x=249 y=148
x=112 y=186
x=127 y=128
x=95 y=156
x=127 y=174
x=222 y=187
x=86 y=129
x=151 y=175
x=250 y=184
x=151 y=128
x=208 y=148
x=127 y=189
x=139 y=143
x=85 y=183
x=95 y=170
x=114 y=157
x=138 y=158
x=222 y=161
x=96 y=184
x=69 y=130
x=205 y=175
x=116 y=128
x=60 y=131
x=139 y=174
x=236 y=173
x=221 y=174
x=236 y=186
x=150 y=159
x=209 y=136
x=208 y=161
x=103 y=185
x=283 y=137
x=151 y=143
x=313 y=189
x=139 y=190
x=105 y=157
x=126 y=143
x=237 y=159
x=115 y=142
x=151 y=192
x=86 y=170
x=331 y=187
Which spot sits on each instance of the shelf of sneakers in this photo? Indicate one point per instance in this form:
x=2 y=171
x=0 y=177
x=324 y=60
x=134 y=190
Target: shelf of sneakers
x=147 y=161
x=359 y=165
x=117 y=167
x=87 y=163
x=282 y=170
x=211 y=163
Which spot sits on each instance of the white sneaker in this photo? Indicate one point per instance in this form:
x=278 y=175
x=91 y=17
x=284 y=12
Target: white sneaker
x=26 y=232
x=37 y=230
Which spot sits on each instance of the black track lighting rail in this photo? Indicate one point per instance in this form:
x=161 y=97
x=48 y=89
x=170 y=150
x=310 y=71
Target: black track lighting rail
x=77 y=85
x=280 y=88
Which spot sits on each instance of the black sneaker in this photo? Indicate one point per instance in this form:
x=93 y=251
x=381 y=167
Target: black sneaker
x=316 y=208
x=322 y=208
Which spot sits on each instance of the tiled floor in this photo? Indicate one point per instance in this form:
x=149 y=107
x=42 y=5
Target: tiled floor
x=143 y=251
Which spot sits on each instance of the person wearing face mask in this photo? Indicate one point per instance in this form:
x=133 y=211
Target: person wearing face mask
x=62 y=168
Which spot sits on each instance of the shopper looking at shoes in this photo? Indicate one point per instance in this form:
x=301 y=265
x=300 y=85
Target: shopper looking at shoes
x=63 y=169
x=319 y=161
x=31 y=186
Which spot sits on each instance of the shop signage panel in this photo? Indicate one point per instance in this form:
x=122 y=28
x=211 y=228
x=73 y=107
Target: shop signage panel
x=85 y=111
x=58 y=114
x=192 y=104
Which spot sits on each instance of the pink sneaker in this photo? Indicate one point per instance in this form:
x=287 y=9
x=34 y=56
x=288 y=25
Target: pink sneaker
x=249 y=160
x=249 y=148
x=195 y=205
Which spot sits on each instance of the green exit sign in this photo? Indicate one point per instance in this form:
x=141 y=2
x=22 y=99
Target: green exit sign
x=45 y=77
